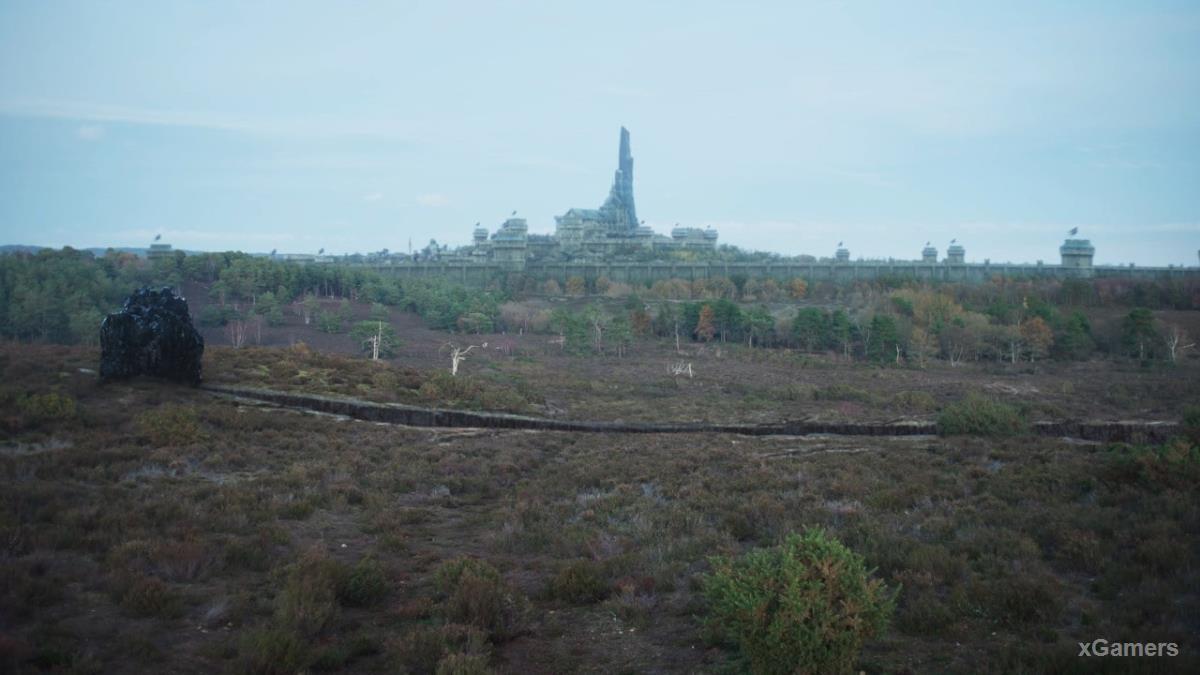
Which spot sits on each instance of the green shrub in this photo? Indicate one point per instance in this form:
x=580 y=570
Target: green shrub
x=418 y=650
x=168 y=425
x=915 y=401
x=479 y=597
x=216 y=315
x=805 y=606
x=365 y=332
x=329 y=323
x=1175 y=464
x=308 y=601
x=151 y=597
x=339 y=655
x=581 y=582
x=422 y=649
x=271 y=651
x=46 y=408
x=981 y=416
x=442 y=388
x=365 y=585
x=1191 y=423
x=451 y=572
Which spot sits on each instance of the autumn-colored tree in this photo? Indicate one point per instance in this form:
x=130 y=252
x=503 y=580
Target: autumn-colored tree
x=551 y=287
x=921 y=344
x=705 y=326
x=1038 y=336
x=770 y=290
x=797 y=288
x=576 y=286
x=640 y=321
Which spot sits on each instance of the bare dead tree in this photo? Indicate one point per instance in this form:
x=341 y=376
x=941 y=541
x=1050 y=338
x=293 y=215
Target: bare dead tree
x=375 y=340
x=680 y=368
x=1178 y=341
x=459 y=354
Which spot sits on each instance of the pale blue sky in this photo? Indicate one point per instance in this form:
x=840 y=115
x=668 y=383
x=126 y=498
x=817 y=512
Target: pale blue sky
x=789 y=126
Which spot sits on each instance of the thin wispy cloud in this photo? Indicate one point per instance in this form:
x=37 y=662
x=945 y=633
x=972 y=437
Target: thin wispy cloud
x=433 y=200
x=372 y=196
x=339 y=127
x=90 y=132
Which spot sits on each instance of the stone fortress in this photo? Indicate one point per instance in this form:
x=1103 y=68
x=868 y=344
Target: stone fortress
x=611 y=242
x=610 y=231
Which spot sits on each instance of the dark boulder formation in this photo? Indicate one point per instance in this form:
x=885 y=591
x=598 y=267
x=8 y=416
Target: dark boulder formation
x=152 y=335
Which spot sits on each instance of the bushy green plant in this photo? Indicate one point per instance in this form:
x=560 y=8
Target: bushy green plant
x=451 y=572
x=364 y=332
x=46 y=408
x=805 y=606
x=329 y=322
x=981 y=416
x=423 y=648
x=1191 y=423
x=478 y=596
x=308 y=601
x=168 y=425
x=580 y=582
x=365 y=584
x=271 y=651
x=915 y=401
x=150 y=597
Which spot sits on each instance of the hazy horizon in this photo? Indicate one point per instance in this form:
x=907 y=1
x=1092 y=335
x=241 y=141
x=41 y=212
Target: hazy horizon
x=353 y=128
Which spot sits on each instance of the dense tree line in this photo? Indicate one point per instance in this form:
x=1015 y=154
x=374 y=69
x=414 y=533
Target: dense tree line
x=61 y=296
x=905 y=325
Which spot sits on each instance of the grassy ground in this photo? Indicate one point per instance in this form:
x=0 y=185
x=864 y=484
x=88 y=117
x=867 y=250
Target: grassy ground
x=148 y=527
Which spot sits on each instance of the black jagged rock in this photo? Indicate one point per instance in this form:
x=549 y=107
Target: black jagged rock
x=151 y=335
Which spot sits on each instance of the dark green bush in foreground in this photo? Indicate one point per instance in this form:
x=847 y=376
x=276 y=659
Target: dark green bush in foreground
x=805 y=606
x=1191 y=423
x=478 y=596
x=980 y=416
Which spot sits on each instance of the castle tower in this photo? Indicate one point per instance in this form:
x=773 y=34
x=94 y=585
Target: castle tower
x=929 y=254
x=955 y=254
x=511 y=243
x=1077 y=253
x=842 y=255
x=619 y=208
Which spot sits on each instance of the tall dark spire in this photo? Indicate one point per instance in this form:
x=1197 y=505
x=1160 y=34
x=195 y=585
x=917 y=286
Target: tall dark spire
x=618 y=210
x=621 y=195
x=625 y=159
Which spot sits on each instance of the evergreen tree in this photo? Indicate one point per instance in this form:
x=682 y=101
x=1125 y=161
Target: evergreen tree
x=810 y=328
x=1138 y=334
x=884 y=339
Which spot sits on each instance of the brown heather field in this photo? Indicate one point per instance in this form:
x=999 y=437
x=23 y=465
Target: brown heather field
x=146 y=527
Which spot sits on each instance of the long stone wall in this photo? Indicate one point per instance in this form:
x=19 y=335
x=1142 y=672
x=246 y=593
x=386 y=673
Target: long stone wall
x=641 y=273
x=394 y=413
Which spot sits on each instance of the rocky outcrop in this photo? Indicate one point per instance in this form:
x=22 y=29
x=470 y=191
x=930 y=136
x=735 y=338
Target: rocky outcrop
x=151 y=335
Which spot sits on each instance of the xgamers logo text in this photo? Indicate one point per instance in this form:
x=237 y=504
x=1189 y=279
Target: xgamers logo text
x=1102 y=647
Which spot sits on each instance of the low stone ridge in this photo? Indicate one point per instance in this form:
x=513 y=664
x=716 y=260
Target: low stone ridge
x=151 y=335
x=395 y=413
